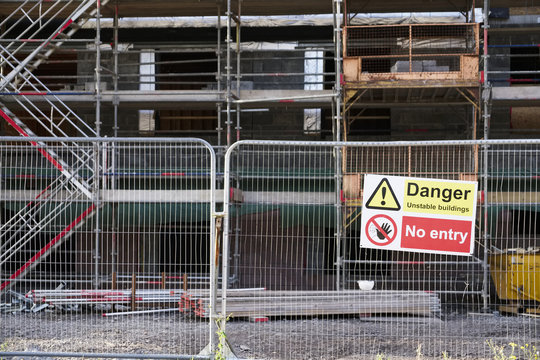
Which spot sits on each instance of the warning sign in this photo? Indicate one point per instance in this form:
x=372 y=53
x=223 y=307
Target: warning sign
x=419 y=215
x=383 y=197
x=441 y=235
x=381 y=230
x=436 y=197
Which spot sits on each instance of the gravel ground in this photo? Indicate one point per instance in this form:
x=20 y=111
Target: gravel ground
x=461 y=336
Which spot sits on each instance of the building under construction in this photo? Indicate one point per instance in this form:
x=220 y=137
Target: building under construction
x=148 y=91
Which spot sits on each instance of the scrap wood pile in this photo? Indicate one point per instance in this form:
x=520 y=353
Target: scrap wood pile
x=312 y=303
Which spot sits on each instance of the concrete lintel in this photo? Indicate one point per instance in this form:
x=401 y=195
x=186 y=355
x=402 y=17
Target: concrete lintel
x=516 y=95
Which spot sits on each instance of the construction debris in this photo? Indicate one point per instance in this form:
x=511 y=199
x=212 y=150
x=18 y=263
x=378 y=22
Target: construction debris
x=258 y=319
x=313 y=303
x=254 y=304
x=20 y=303
x=93 y=297
x=140 y=312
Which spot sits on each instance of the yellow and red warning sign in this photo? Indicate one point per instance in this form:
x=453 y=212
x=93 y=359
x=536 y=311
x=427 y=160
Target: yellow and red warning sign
x=419 y=215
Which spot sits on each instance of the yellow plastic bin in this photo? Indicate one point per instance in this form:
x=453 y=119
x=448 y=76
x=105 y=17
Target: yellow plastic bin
x=516 y=274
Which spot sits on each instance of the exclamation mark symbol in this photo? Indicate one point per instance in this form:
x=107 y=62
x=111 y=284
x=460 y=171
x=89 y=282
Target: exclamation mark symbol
x=383 y=196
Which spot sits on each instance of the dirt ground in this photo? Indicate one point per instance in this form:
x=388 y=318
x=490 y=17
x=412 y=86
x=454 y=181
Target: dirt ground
x=461 y=336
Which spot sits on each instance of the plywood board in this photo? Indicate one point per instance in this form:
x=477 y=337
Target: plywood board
x=352 y=186
x=350 y=69
x=469 y=68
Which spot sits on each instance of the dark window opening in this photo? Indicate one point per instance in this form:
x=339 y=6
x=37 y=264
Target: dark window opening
x=524 y=59
x=186 y=71
x=184 y=248
x=366 y=122
x=525 y=223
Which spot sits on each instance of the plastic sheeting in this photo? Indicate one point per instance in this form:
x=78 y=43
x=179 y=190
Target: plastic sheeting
x=407 y=20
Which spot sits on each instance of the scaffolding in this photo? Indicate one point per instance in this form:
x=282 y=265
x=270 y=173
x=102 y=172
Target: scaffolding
x=106 y=186
x=65 y=64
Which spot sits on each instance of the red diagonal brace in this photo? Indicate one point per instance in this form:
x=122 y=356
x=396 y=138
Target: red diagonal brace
x=25 y=134
x=47 y=247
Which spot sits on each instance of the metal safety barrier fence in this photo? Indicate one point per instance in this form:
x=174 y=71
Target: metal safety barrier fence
x=111 y=273
x=294 y=229
x=134 y=269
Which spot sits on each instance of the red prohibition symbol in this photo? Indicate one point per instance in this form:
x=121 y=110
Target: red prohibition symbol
x=381 y=230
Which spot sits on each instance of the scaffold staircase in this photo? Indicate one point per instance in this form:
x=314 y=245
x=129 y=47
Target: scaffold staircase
x=18 y=42
x=69 y=160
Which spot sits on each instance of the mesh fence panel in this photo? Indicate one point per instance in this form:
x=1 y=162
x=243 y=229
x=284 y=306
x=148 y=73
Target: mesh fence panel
x=109 y=272
x=294 y=259
x=74 y=267
x=411 y=48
